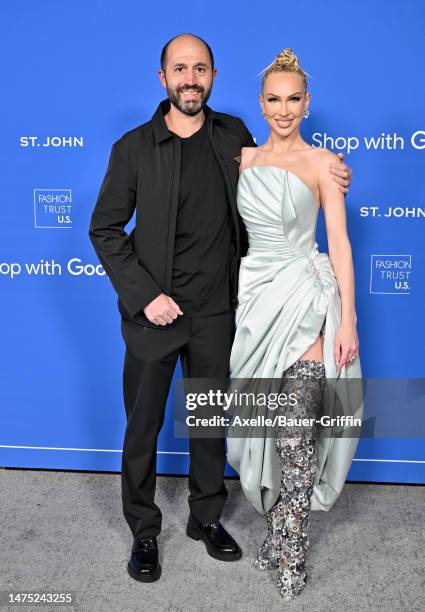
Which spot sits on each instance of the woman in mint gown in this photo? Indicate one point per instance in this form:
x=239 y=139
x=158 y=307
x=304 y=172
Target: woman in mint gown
x=295 y=323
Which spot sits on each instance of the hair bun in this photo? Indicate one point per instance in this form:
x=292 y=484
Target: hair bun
x=285 y=61
x=287 y=57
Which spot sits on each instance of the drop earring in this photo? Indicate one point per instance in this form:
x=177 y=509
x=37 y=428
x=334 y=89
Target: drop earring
x=306 y=113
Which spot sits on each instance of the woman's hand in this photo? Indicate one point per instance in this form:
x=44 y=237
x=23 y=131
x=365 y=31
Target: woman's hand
x=346 y=345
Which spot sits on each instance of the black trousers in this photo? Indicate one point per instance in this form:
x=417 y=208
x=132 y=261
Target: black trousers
x=203 y=344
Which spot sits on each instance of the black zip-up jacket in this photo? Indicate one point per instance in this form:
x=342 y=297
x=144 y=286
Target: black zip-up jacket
x=143 y=175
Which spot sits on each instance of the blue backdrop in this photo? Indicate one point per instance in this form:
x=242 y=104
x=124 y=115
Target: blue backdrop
x=78 y=75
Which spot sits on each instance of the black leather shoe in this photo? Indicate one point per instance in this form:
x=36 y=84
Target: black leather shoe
x=144 y=565
x=219 y=543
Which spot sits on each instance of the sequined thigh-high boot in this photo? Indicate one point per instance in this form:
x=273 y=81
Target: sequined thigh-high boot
x=286 y=543
x=268 y=556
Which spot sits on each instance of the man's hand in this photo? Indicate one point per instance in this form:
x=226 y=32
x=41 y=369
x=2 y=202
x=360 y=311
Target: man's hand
x=162 y=310
x=342 y=174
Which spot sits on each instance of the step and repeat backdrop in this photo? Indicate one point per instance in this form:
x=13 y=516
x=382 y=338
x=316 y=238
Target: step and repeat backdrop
x=76 y=75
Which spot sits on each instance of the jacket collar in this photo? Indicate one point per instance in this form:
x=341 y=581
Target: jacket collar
x=160 y=128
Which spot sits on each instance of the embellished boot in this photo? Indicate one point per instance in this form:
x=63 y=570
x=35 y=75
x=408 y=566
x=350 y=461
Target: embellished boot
x=296 y=449
x=268 y=556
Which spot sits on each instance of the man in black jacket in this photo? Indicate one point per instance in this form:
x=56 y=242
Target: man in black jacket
x=176 y=276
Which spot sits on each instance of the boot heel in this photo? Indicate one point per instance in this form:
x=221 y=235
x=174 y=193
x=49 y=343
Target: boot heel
x=192 y=533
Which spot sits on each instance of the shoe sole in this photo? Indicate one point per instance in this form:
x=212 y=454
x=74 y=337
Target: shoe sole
x=144 y=577
x=193 y=533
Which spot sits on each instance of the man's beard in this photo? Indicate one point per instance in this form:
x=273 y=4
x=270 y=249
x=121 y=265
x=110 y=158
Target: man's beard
x=188 y=107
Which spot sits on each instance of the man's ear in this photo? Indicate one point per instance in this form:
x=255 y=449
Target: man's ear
x=161 y=75
x=341 y=156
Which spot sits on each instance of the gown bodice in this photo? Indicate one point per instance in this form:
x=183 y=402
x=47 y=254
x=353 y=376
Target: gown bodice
x=279 y=210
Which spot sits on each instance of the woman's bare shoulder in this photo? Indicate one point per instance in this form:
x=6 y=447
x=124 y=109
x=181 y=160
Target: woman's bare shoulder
x=323 y=155
x=247 y=156
x=246 y=151
x=321 y=158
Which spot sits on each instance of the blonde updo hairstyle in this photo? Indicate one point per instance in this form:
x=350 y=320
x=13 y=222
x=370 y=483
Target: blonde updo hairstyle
x=285 y=61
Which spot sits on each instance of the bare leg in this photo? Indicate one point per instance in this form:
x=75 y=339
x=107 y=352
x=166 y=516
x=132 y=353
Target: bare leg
x=316 y=350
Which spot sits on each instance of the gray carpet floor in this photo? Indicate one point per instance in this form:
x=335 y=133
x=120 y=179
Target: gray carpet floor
x=65 y=531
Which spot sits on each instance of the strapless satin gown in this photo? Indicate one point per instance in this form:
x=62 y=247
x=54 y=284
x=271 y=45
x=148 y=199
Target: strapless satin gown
x=288 y=292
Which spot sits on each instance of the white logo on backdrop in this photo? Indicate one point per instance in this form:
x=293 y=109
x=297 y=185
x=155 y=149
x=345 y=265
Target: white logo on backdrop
x=53 y=208
x=378 y=142
x=390 y=274
x=51 y=141
x=398 y=212
x=50 y=267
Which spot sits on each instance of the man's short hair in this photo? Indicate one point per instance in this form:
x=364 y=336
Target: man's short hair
x=165 y=48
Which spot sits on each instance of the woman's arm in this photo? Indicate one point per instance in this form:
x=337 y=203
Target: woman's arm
x=333 y=204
